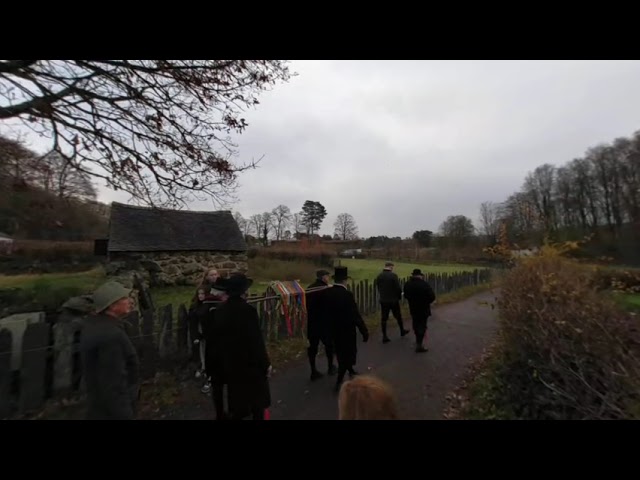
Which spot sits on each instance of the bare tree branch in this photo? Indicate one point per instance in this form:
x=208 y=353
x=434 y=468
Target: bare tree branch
x=157 y=129
x=345 y=227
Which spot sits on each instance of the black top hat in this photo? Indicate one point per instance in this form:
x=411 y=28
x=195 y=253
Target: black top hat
x=236 y=284
x=322 y=273
x=416 y=271
x=340 y=273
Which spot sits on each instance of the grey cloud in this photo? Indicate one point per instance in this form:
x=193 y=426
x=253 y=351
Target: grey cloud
x=401 y=145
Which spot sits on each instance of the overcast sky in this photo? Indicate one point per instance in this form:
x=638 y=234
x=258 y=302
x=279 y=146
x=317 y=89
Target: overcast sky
x=401 y=145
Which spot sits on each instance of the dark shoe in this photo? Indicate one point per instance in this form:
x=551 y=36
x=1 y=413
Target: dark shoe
x=353 y=373
x=421 y=349
x=332 y=370
x=386 y=339
x=404 y=332
x=315 y=375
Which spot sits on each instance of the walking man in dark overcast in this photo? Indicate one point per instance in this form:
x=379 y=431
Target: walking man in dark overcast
x=390 y=292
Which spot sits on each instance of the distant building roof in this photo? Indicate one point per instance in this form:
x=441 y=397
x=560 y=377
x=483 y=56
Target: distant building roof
x=143 y=229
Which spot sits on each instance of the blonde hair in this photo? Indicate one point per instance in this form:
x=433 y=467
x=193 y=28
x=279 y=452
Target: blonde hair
x=366 y=398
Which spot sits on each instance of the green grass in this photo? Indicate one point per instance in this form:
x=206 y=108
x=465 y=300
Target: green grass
x=172 y=296
x=630 y=301
x=464 y=293
x=365 y=269
x=87 y=280
x=261 y=270
x=484 y=393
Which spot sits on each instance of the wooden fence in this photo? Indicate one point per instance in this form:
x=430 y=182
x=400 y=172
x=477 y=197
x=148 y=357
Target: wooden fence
x=40 y=359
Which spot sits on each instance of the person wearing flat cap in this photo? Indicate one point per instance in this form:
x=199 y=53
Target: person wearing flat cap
x=345 y=318
x=110 y=361
x=241 y=358
x=420 y=296
x=318 y=325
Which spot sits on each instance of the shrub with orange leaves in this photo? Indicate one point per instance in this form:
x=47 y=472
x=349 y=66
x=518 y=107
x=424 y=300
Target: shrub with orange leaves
x=566 y=350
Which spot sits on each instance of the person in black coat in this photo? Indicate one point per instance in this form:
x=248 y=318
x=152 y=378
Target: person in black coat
x=195 y=319
x=420 y=296
x=240 y=358
x=345 y=318
x=318 y=325
x=209 y=285
x=390 y=292
x=201 y=322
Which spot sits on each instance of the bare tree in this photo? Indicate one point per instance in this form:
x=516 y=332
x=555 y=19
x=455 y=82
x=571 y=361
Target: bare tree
x=601 y=189
x=256 y=224
x=519 y=216
x=586 y=192
x=266 y=223
x=17 y=161
x=157 y=129
x=345 y=227
x=539 y=185
x=54 y=174
x=606 y=177
x=630 y=170
x=297 y=224
x=281 y=217
x=50 y=172
x=244 y=225
x=489 y=222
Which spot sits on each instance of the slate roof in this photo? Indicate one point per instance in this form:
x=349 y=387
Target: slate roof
x=143 y=229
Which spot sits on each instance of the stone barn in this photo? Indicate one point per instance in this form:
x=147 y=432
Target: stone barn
x=172 y=247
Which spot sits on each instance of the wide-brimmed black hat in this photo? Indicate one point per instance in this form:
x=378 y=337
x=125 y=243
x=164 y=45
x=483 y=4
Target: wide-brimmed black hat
x=416 y=271
x=340 y=273
x=236 y=284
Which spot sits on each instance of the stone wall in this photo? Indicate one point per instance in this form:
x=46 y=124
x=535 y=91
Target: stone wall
x=174 y=268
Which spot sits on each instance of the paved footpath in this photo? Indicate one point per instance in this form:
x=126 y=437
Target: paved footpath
x=457 y=334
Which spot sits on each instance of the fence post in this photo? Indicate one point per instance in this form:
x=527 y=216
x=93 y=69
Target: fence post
x=5 y=372
x=166 y=332
x=181 y=334
x=367 y=297
x=64 y=348
x=374 y=296
x=147 y=349
x=35 y=343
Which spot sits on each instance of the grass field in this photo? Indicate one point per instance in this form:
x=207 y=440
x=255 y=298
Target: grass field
x=364 y=269
x=86 y=282
x=261 y=270
x=89 y=280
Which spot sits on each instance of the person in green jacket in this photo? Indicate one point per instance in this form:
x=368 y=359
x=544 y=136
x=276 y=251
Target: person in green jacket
x=110 y=362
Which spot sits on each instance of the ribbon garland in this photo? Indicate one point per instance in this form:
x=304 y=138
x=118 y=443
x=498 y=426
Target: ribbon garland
x=278 y=299
x=292 y=303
